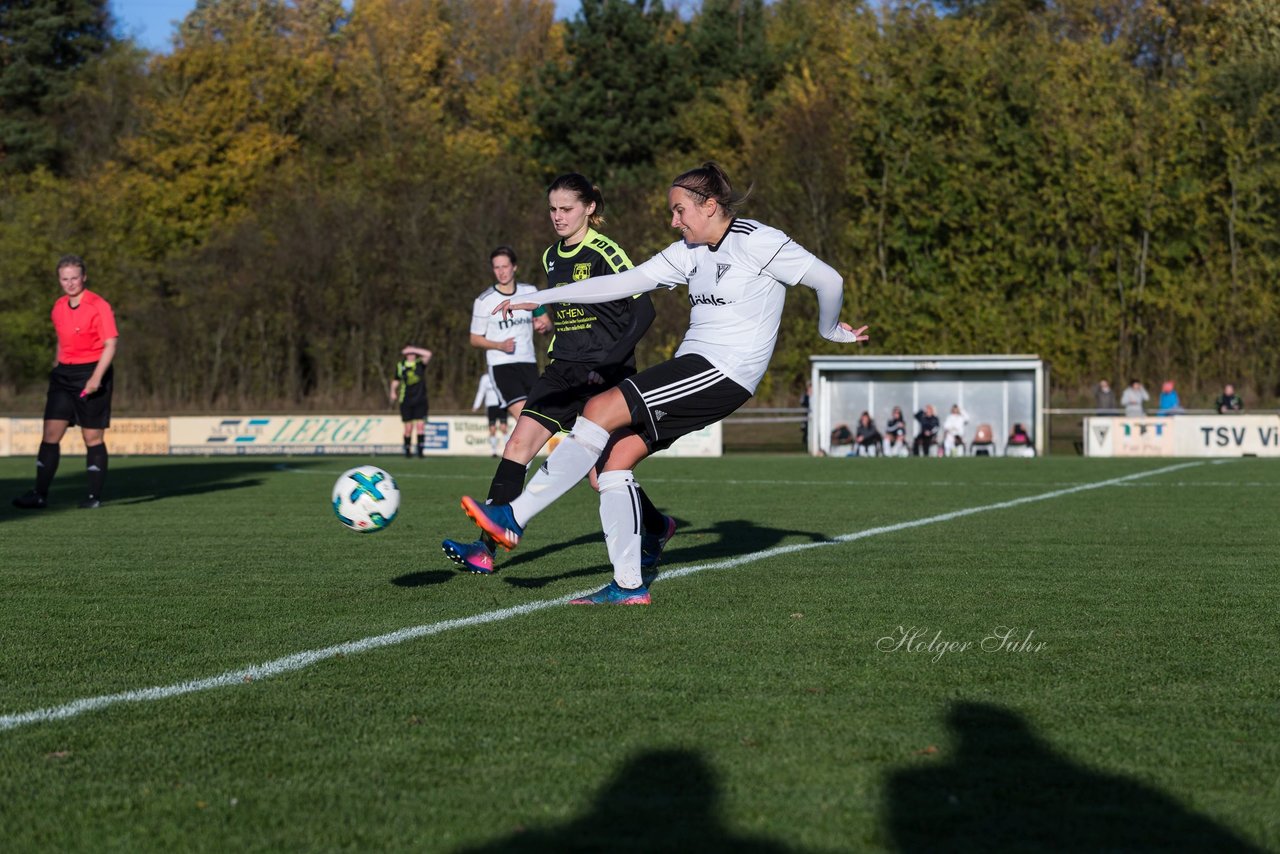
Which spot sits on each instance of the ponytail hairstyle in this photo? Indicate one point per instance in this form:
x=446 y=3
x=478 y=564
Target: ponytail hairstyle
x=586 y=193
x=709 y=181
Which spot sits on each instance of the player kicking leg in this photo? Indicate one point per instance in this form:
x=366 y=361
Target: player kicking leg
x=653 y=408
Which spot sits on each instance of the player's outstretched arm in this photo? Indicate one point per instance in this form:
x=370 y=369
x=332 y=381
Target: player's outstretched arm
x=614 y=286
x=829 y=287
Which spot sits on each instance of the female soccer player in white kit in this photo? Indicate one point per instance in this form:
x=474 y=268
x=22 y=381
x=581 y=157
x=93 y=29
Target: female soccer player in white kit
x=737 y=271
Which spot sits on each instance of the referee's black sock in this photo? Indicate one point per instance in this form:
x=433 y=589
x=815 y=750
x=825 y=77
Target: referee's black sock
x=96 y=464
x=654 y=522
x=406 y=446
x=47 y=466
x=508 y=482
x=422 y=443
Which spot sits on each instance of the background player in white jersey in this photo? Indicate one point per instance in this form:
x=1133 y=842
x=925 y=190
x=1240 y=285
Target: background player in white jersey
x=487 y=396
x=507 y=342
x=737 y=272
x=591 y=350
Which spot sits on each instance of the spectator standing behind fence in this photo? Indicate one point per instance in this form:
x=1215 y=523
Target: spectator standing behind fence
x=895 y=434
x=867 y=439
x=1133 y=399
x=928 y=420
x=1104 y=397
x=1228 y=401
x=1169 y=403
x=804 y=427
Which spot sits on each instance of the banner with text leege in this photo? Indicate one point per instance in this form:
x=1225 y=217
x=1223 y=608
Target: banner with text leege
x=462 y=435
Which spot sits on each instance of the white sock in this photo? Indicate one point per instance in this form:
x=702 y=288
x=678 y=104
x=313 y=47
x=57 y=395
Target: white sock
x=567 y=464
x=621 y=519
x=493 y=443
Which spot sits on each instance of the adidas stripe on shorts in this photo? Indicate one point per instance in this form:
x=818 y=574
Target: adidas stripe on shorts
x=679 y=396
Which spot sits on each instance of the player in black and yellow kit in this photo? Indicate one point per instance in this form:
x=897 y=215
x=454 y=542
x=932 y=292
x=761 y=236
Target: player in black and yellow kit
x=409 y=389
x=593 y=349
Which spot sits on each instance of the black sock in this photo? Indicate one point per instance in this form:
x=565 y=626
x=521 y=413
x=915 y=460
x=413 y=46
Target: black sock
x=47 y=466
x=422 y=443
x=654 y=522
x=508 y=482
x=96 y=463
x=406 y=446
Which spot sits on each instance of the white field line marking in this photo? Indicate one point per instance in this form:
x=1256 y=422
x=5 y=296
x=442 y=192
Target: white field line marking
x=301 y=660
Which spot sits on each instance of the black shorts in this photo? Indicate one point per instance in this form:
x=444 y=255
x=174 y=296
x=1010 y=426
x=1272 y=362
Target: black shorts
x=414 y=410
x=514 y=381
x=64 y=402
x=679 y=396
x=561 y=394
x=497 y=415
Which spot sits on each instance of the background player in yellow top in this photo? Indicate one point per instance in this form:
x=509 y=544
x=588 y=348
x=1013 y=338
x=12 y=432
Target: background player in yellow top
x=409 y=389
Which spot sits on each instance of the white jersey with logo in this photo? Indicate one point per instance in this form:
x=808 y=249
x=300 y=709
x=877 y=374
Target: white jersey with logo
x=493 y=327
x=736 y=292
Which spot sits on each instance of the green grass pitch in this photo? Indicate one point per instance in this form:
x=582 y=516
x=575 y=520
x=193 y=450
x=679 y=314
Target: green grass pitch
x=843 y=655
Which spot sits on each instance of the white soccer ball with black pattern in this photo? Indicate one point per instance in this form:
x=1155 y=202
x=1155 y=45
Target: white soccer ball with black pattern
x=366 y=499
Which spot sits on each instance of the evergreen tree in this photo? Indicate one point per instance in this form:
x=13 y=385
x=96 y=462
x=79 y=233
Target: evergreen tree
x=43 y=46
x=610 y=110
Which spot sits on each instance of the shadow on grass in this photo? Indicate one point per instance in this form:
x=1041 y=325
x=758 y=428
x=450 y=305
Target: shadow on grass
x=137 y=484
x=425 y=579
x=725 y=538
x=662 y=800
x=1005 y=789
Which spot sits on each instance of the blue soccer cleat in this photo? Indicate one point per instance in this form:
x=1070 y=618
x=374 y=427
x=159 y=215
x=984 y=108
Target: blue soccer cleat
x=495 y=520
x=612 y=594
x=473 y=557
x=651 y=545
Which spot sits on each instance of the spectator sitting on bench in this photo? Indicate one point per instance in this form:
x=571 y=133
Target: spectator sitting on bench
x=867 y=440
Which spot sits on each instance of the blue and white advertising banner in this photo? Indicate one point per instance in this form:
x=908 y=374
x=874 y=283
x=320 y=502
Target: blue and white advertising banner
x=322 y=434
x=453 y=435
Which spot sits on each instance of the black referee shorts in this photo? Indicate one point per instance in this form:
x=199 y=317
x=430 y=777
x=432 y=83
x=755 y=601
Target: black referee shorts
x=561 y=394
x=64 y=403
x=677 y=397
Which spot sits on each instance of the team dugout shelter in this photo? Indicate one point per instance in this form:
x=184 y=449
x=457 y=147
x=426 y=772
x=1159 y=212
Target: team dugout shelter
x=997 y=390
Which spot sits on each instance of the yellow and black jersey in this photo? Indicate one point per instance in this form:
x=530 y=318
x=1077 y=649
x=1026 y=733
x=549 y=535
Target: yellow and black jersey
x=587 y=333
x=413 y=384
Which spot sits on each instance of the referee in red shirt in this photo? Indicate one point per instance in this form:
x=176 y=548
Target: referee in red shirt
x=79 y=385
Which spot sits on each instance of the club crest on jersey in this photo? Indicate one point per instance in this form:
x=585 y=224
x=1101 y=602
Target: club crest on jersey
x=581 y=271
x=721 y=269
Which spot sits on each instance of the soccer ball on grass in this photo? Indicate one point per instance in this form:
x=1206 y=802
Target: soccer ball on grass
x=366 y=499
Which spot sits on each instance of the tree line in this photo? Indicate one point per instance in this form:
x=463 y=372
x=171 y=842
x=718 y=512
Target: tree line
x=298 y=188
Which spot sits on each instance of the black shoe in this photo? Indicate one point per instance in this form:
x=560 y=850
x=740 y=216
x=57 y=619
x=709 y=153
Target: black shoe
x=31 y=501
x=90 y=504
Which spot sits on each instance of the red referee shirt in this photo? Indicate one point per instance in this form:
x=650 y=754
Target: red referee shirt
x=83 y=330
